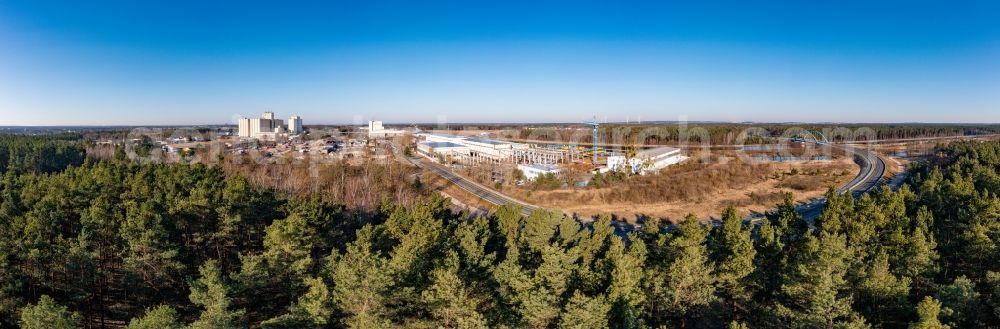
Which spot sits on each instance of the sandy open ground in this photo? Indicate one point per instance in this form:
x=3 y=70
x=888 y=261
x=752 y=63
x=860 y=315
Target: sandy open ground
x=750 y=194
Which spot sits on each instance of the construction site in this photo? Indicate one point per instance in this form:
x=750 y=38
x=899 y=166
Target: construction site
x=593 y=177
x=499 y=161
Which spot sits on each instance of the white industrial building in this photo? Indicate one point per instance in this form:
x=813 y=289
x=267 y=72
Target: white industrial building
x=443 y=138
x=376 y=130
x=647 y=161
x=479 y=147
x=268 y=128
x=532 y=171
x=482 y=150
x=492 y=149
x=443 y=149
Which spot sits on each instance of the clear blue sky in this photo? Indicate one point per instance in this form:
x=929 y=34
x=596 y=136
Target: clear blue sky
x=179 y=62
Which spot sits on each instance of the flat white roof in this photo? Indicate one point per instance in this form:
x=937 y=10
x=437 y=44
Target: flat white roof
x=486 y=141
x=540 y=167
x=444 y=135
x=442 y=144
x=652 y=153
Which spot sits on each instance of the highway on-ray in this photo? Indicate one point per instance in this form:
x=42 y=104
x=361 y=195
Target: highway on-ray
x=872 y=170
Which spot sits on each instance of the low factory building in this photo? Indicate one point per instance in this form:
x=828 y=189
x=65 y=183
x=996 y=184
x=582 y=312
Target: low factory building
x=532 y=171
x=432 y=149
x=492 y=149
x=484 y=150
x=443 y=138
x=647 y=161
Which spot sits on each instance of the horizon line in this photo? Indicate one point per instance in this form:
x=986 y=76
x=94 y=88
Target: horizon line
x=512 y=123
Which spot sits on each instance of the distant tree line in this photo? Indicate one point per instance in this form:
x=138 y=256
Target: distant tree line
x=669 y=133
x=171 y=246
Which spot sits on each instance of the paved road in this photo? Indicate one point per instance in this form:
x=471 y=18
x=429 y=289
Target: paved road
x=483 y=192
x=872 y=170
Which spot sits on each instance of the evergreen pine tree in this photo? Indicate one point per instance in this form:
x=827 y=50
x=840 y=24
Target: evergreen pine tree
x=734 y=253
x=927 y=313
x=688 y=281
x=160 y=317
x=884 y=295
x=47 y=314
x=993 y=282
x=582 y=312
x=312 y=310
x=212 y=295
x=449 y=300
x=625 y=292
x=362 y=281
x=960 y=302
x=812 y=294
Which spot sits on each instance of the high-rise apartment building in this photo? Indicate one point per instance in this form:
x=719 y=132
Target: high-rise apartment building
x=294 y=125
x=267 y=126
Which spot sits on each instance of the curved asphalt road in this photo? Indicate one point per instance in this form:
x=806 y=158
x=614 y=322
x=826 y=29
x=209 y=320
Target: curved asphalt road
x=872 y=170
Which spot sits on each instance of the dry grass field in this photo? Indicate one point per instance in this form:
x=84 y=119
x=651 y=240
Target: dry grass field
x=700 y=188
